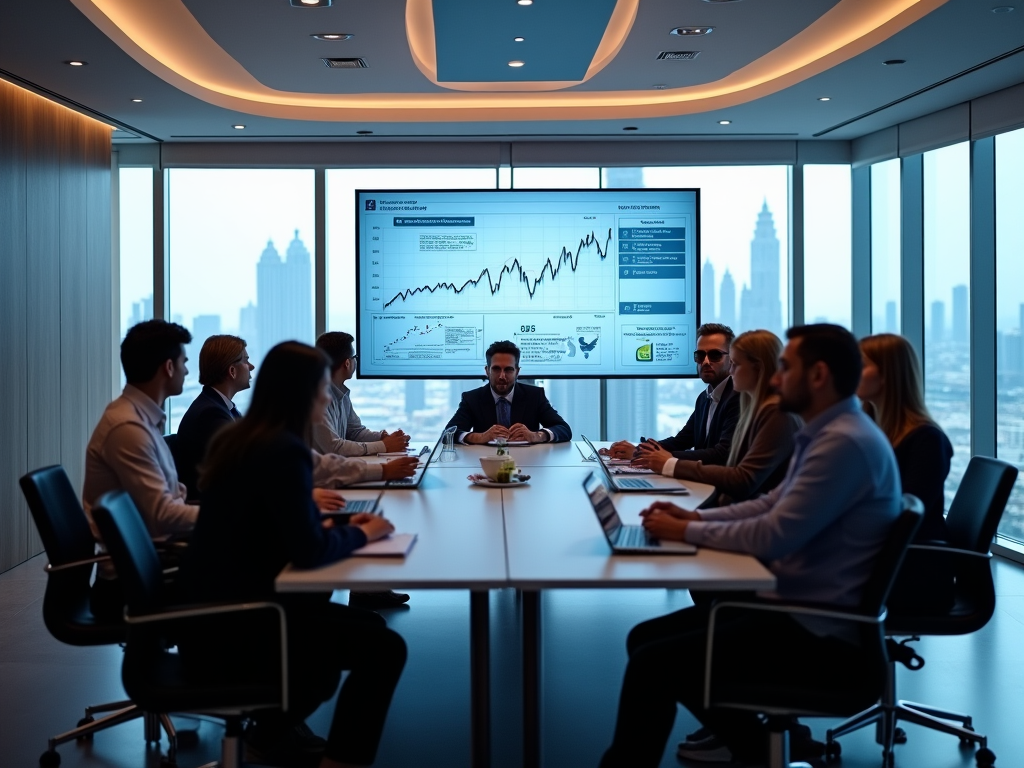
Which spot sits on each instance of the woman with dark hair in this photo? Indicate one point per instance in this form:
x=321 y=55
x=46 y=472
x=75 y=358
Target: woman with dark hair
x=257 y=516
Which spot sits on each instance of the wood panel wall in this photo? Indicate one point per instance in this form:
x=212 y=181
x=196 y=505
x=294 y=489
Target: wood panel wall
x=55 y=298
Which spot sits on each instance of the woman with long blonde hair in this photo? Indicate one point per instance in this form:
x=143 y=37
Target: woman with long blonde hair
x=890 y=387
x=763 y=440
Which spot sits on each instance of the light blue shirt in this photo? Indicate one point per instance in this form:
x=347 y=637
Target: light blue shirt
x=820 y=529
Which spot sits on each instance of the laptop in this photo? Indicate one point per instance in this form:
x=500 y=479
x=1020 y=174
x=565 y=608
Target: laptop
x=364 y=505
x=626 y=539
x=647 y=484
x=405 y=482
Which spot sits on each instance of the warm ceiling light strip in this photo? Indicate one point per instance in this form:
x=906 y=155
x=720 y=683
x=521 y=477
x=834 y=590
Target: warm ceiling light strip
x=166 y=39
x=419 y=30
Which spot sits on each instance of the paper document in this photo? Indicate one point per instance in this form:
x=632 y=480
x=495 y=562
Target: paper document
x=395 y=545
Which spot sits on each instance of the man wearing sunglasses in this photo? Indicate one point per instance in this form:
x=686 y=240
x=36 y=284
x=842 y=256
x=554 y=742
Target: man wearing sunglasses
x=707 y=434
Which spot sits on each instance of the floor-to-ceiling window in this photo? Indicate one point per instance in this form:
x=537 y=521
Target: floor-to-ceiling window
x=1010 y=318
x=420 y=407
x=947 y=259
x=827 y=244
x=240 y=262
x=135 y=219
x=885 y=247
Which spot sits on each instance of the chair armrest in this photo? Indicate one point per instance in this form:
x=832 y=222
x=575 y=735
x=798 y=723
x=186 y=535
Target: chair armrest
x=949 y=550
x=50 y=568
x=177 y=613
x=803 y=609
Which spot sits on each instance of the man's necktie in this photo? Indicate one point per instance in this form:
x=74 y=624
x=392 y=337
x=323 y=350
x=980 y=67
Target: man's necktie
x=234 y=413
x=504 y=412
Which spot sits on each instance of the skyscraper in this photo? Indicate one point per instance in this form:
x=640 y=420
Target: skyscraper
x=960 y=321
x=248 y=329
x=760 y=306
x=727 y=301
x=415 y=395
x=707 y=294
x=938 y=328
x=284 y=295
x=891 y=326
x=632 y=409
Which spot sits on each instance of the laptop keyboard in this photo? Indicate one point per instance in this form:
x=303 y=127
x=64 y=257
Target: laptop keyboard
x=362 y=505
x=632 y=482
x=633 y=536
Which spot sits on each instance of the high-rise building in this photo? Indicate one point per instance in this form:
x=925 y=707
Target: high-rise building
x=415 y=395
x=727 y=301
x=707 y=294
x=760 y=305
x=203 y=327
x=632 y=409
x=891 y=326
x=284 y=295
x=960 y=321
x=938 y=327
x=141 y=310
x=248 y=329
x=578 y=401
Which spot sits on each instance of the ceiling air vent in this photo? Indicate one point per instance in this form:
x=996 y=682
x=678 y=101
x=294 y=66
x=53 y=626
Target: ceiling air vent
x=345 y=63
x=678 y=55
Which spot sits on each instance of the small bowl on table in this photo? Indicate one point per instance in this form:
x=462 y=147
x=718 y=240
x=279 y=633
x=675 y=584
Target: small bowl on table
x=493 y=465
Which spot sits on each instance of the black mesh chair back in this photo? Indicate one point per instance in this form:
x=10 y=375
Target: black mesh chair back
x=67 y=538
x=131 y=548
x=890 y=557
x=978 y=505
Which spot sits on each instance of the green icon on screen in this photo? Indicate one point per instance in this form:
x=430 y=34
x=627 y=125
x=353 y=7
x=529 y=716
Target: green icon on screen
x=645 y=354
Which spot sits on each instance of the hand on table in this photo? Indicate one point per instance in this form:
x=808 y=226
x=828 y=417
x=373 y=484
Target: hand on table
x=399 y=468
x=495 y=432
x=395 y=441
x=665 y=520
x=519 y=432
x=652 y=456
x=374 y=526
x=328 y=499
x=621 y=449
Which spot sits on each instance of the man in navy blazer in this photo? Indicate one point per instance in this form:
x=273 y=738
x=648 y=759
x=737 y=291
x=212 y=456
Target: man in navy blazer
x=505 y=408
x=224 y=371
x=707 y=434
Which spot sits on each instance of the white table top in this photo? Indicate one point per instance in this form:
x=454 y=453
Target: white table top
x=542 y=535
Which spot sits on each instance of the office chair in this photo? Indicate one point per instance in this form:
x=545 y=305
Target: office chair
x=158 y=679
x=67 y=614
x=824 y=698
x=970 y=527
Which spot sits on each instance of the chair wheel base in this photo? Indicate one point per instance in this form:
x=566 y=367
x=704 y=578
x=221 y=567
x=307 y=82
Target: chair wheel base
x=899 y=736
x=833 y=750
x=49 y=759
x=888 y=759
x=985 y=757
x=83 y=722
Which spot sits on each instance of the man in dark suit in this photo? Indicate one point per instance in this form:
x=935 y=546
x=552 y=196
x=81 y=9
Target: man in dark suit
x=707 y=435
x=224 y=371
x=503 y=408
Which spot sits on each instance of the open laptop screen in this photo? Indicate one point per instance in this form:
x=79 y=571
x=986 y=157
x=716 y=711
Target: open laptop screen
x=601 y=501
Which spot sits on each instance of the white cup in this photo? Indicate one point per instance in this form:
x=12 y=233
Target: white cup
x=491 y=465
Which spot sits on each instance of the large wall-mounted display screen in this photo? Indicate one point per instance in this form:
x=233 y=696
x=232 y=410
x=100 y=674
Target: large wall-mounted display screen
x=588 y=283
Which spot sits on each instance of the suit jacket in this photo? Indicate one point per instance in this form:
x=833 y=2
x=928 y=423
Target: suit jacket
x=204 y=418
x=530 y=406
x=695 y=443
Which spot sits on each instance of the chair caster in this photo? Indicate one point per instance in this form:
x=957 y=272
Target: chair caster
x=49 y=759
x=833 y=750
x=985 y=757
x=899 y=736
x=85 y=721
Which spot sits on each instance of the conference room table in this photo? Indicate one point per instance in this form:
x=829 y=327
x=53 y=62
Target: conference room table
x=542 y=535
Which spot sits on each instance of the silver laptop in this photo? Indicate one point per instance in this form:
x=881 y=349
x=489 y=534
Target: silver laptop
x=426 y=456
x=632 y=484
x=626 y=539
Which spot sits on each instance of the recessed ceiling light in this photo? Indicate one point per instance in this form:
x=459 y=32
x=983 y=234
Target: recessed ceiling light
x=894 y=62
x=1002 y=9
x=824 y=98
x=721 y=1
x=516 y=63
x=332 y=36
x=77 y=63
x=310 y=3
x=524 y=2
x=238 y=127
x=659 y=87
x=137 y=101
x=692 y=31
x=630 y=128
x=518 y=39
x=725 y=122
x=364 y=133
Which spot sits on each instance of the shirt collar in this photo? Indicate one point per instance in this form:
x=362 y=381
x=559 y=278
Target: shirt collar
x=152 y=412
x=227 y=402
x=339 y=390
x=496 y=396
x=716 y=393
x=814 y=426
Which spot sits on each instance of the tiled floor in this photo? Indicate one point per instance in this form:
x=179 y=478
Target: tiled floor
x=44 y=685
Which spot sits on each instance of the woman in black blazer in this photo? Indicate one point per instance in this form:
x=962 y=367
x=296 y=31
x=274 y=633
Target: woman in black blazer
x=257 y=516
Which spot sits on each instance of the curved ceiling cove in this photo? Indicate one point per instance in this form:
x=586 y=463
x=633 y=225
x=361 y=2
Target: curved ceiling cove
x=164 y=37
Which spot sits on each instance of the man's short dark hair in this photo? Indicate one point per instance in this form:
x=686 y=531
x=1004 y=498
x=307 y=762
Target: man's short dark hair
x=710 y=329
x=834 y=346
x=338 y=346
x=148 y=345
x=502 y=348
